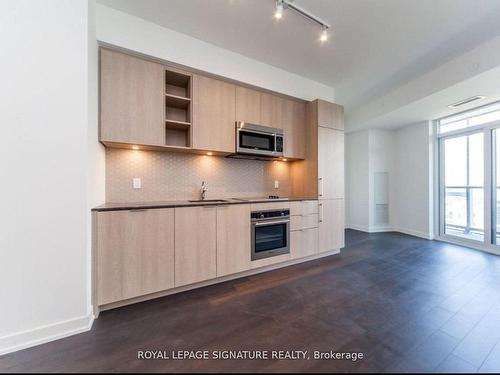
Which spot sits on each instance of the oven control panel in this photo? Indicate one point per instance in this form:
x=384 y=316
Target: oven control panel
x=271 y=214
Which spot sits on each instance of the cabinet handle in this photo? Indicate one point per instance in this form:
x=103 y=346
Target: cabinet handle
x=320 y=209
x=320 y=186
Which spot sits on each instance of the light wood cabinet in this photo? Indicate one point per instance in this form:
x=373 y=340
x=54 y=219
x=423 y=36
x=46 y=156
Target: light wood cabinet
x=330 y=115
x=213 y=115
x=233 y=239
x=294 y=125
x=135 y=253
x=132 y=100
x=330 y=163
x=331 y=224
x=304 y=243
x=195 y=244
x=271 y=110
x=248 y=105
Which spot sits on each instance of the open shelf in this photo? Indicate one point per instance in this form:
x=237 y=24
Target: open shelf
x=178 y=83
x=173 y=124
x=177 y=108
x=177 y=101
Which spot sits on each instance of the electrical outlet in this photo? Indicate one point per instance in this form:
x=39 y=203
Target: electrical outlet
x=276 y=184
x=136 y=183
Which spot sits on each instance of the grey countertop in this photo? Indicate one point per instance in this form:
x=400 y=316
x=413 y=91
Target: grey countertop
x=117 y=206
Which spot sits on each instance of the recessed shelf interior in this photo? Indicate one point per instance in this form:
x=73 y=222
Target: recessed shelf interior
x=177 y=108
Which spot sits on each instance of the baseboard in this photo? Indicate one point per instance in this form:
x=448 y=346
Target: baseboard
x=415 y=233
x=389 y=229
x=44 y=334
x=370 y=229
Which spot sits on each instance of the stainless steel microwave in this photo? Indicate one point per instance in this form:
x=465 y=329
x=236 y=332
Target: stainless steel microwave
x=261 y=140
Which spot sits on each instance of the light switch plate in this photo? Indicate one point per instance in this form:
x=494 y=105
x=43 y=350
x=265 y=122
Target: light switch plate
x=136 y=183
x=276 y=184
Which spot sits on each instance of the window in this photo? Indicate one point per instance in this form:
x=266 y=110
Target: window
x=469 y=175
x=464 y=186
x=475 y=117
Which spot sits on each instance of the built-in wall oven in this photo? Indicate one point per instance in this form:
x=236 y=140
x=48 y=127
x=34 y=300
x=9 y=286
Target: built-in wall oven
x=259 y=140
x=270 y=233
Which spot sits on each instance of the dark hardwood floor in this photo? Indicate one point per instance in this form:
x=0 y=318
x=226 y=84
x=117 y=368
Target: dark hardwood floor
x=408 y=304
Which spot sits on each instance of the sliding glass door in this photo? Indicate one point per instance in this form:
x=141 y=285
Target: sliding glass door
x=464 y=186
x=469 y=176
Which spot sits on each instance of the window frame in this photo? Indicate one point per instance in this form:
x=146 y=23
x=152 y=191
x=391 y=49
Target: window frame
x=488 y=243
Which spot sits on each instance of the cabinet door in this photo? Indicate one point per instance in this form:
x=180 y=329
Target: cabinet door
x=213 y=115
x=233 y=239
x=331 y=224
x=294 y=126
x=247 y=105
x=271 y=110
x=135 y=253
x=330 y=115
x=330 y=163
x=195 y=244
x=132 y=100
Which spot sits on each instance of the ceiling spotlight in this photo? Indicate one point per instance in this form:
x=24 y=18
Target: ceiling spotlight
x=279 y=9
x=324 y=34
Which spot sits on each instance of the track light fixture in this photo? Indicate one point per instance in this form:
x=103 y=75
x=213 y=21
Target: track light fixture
x=279 y=9
x=285 y=4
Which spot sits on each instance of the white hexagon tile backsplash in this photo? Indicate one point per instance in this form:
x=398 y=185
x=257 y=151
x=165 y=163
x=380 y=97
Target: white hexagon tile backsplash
x=178 y=176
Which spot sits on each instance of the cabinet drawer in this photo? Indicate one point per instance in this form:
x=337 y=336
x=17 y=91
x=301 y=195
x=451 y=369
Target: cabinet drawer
x=309 y=207
x=304 y=243
x=295 y=223
x=296 y=208
x=309 y=221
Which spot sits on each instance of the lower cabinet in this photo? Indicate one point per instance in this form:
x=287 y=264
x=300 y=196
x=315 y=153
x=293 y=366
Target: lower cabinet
x=331 y=224
x=233 y=239
x=134 y=253
x=195 y=244
x=304 y=242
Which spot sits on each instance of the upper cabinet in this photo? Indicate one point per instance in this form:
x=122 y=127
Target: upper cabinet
x=330 y=163
x=248 y=106
x=294 y=125
x=213 y=115
x=330 y=115
x=132 y=100
x=271 y=110
x=163 y=107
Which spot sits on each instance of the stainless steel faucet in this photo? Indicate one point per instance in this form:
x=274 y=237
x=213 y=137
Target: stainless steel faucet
x=203 y=191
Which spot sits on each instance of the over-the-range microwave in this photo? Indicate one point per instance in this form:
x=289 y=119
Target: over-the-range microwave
x=258 y=141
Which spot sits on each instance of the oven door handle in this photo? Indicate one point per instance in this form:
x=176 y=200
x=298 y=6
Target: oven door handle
x=258 y=224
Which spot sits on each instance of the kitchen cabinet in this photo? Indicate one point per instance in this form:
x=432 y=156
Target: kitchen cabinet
x=331 y=224
x=294 y=126
x=330 y=115
x=304 y=243
x=233 y=239
x=330 y=163
x=213 y=115
x=132 y=100
x=134 y=252
x=195 y=244
x=248 y=105
x=271 y=110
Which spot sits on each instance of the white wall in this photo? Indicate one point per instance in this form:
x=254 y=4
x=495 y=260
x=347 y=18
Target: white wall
x=357 y=180
x=381 y=159
x=44 y=221
x=406 y=155
x=123 y=30
x=414 y=179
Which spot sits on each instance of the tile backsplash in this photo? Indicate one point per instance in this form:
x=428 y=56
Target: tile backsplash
x=178 y=176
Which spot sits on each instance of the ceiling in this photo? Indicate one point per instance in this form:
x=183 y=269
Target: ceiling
x=375 y=45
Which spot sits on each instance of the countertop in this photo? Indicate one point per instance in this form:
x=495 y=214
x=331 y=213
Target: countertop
x=117 y=206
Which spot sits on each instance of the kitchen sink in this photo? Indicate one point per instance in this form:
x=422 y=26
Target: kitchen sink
x=209 y=201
